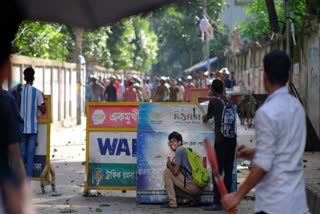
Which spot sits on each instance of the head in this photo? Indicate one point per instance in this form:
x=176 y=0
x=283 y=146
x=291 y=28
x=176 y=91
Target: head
x=131 y=84
x=175 y=140
x=217 y=87
x=173 y=82
x=189 y=79
x=28 y=75
x=276 y=65
x=112 y=80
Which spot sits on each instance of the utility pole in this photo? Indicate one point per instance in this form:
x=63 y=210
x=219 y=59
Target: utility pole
x=206 y=34
x=286 y=12
x=78 y=70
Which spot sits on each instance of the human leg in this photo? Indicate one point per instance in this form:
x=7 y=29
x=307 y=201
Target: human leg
x=172 y=181
x=230 y=147
x=23 y=148
x=31 y=148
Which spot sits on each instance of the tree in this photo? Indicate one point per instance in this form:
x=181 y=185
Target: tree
x=120 y=43
x=37 y=39
x=177 y=27
x=146 y=42
x=257 y=27
x=94 y=46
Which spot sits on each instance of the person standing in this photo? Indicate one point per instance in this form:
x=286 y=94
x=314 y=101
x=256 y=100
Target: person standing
x=110 y=95
x=221 y=109
x=146 y=91
x=188 y=88
x=130 y=95
x=173 y=91
x=180 y=96
x=277 y=170
x=162 y=91
x=31 y=101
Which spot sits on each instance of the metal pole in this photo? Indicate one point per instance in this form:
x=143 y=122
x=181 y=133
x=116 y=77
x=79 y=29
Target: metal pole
x=78 y=70
x=286 y=12
x=207 y=40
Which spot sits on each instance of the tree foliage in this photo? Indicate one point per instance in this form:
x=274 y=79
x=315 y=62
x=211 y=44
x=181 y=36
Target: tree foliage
x=257 y=27
x=48 y=41
x=177 y=27
x=94 y=46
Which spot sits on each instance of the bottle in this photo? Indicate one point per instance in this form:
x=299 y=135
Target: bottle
x=204 y=161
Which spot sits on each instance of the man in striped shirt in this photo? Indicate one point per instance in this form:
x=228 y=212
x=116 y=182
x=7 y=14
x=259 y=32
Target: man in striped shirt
x=31 y=101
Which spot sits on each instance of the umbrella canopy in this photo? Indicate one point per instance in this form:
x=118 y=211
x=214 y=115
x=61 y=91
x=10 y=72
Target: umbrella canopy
x=202 y=65
x=85 y=13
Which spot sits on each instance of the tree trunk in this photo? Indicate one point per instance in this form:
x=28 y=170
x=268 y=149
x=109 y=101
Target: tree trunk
x=273 y=18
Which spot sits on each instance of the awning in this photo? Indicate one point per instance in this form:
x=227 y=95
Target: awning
x=202 y=65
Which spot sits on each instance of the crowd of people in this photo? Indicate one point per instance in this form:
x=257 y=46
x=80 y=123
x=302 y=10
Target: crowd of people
x=157 y=89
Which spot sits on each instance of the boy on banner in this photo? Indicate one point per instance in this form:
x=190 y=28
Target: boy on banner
x=178 y=172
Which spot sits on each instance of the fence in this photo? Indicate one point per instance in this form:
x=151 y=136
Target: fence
x=248 y=67
x=58 y=79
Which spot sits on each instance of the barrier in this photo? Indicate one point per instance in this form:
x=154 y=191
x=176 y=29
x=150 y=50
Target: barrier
x=111 y=147
x=198 y=92
x=42 y=153
x=156 y=122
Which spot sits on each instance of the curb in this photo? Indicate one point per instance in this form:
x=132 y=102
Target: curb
x=313 y=197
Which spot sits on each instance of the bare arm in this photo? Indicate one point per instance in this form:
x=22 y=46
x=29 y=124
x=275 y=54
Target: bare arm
x=174 y=168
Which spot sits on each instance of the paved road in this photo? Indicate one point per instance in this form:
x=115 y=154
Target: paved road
x=67 y=156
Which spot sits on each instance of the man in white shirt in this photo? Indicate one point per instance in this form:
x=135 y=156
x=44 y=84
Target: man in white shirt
x=277 y=170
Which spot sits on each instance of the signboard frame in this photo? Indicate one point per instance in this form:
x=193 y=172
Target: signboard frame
x=46 y=120
x=90 y=129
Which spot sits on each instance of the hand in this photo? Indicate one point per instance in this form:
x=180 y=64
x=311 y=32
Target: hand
x=230 y=201
x=245 y=152
x=169 y=164
x=204 y=118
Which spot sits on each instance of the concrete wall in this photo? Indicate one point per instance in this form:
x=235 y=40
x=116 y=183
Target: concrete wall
x=58 y=79
x=54 y=78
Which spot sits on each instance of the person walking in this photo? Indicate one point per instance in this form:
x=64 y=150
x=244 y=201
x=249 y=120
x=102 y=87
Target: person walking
x=31 y=101
x=130 y=95
x=221 y=109
x=277 y=170
x=110 y=95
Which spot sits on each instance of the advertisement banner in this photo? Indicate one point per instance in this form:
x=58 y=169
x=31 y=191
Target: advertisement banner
x=111 y=146
x=113 y=116
x=164 y=117
x=156 y=122
x=153 y=151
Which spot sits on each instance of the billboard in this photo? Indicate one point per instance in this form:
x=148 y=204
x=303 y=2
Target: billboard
x=111 y=146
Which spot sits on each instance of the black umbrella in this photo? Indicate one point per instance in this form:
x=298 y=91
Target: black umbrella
x=85 y=13
x=81 y=13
